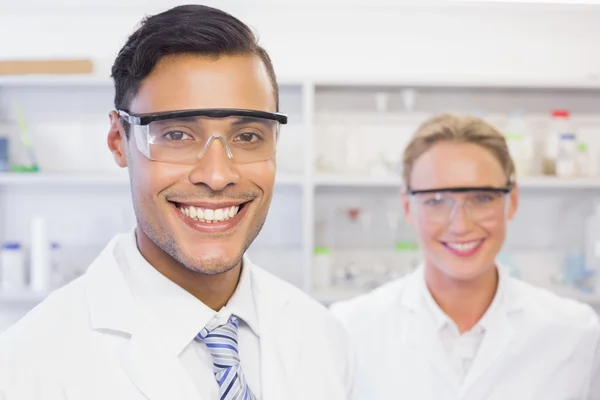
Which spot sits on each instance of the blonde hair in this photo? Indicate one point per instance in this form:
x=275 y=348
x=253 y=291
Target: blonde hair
x=457 y=129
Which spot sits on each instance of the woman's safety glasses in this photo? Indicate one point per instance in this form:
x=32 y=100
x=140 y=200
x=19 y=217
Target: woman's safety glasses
x=480 y=204
x=184 y=137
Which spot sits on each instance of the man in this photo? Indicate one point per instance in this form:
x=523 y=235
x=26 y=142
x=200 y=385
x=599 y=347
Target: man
x=174 y=309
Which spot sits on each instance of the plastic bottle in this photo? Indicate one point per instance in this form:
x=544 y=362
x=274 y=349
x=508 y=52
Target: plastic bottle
x=520 y=144
x=558 y=125
x=583 y=160
x=12 y=266
x=566 y=160
x=323 y=266
x=40 y=268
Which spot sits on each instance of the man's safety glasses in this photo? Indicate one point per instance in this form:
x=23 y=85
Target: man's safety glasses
x=184 y=137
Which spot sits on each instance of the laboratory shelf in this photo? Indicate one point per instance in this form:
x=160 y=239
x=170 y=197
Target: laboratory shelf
x=533 y=182
x=458 y=81
x=88 y=80
x=356 y=180
x=549 y=182
x=327 y=297
x=41 y=80
x=62 y=179
x=99 y=179
x=341 y=80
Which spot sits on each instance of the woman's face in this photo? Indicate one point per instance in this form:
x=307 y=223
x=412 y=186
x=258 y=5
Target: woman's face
x=461 y=233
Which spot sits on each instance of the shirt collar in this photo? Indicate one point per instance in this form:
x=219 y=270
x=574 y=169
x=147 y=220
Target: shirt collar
x=177 y=315
x=439 y=317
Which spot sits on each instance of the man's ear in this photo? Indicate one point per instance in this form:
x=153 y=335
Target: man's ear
x=117 y=140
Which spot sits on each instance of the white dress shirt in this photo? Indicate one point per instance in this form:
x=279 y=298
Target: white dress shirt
x=179 y=317
x=461 y=348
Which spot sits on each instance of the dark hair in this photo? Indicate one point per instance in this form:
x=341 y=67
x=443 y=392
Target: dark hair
x=187 y=29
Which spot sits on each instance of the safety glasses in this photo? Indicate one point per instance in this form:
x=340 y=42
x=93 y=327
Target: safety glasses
x=480 y=203
x=184 y=136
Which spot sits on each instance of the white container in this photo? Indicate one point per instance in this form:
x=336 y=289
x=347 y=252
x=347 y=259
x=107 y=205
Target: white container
x=520 y=144
x=12 y=267
x=558 y=125
x=583 y=160
x=40 y=267
x=323 y=265
x=566 y=162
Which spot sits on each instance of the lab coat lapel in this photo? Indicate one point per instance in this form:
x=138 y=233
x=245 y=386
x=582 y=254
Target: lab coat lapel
x=496 y=339
x=280 y=338
x=500 y=330
x=421 y=332
x=156 y=374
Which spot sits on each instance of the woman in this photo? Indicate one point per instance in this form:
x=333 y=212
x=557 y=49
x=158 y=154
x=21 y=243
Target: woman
x=459 y=327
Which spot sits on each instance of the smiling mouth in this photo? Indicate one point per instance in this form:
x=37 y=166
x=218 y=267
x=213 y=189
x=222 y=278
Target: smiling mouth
x=210 y=214
x=464 y=249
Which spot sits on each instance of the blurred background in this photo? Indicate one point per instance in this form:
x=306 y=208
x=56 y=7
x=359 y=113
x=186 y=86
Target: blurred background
x=348 y=70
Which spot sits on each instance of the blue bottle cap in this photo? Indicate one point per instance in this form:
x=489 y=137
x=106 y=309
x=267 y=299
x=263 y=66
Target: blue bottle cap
x=11 y=246
x=567 y=136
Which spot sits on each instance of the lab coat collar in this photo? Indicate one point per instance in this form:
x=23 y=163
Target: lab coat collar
x=173 y=307
x=506 y=299
x=114 y=312
x=421 y=331
x=440 y=318
x=158 y=373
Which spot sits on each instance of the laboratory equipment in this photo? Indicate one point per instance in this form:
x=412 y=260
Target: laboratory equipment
x=566 y=161
x=583 y=160
x=559 y=125
x=12 y=267
x=323 y=266
x=576 y=275
x=24 y=157
x=520 y=144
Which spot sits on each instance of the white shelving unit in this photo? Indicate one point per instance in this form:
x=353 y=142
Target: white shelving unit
x=302 y=191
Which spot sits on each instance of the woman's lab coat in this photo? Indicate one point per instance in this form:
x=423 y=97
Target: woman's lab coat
x=88 y=342
x=537 y=346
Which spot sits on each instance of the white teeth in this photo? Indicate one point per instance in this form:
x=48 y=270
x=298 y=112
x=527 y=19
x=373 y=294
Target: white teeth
x=464 y=246
x=209 y=215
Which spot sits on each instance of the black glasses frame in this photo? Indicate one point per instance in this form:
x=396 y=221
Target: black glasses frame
x=145 y=119
x=504 y=190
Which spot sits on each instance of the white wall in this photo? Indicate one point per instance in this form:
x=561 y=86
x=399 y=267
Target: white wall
x=328 y=38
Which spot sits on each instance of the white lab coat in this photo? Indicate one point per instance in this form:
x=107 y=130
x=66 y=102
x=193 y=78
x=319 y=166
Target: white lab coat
x=88 y=342
x=538 y=346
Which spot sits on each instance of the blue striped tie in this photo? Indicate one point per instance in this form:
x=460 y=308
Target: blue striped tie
x=223 y=347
